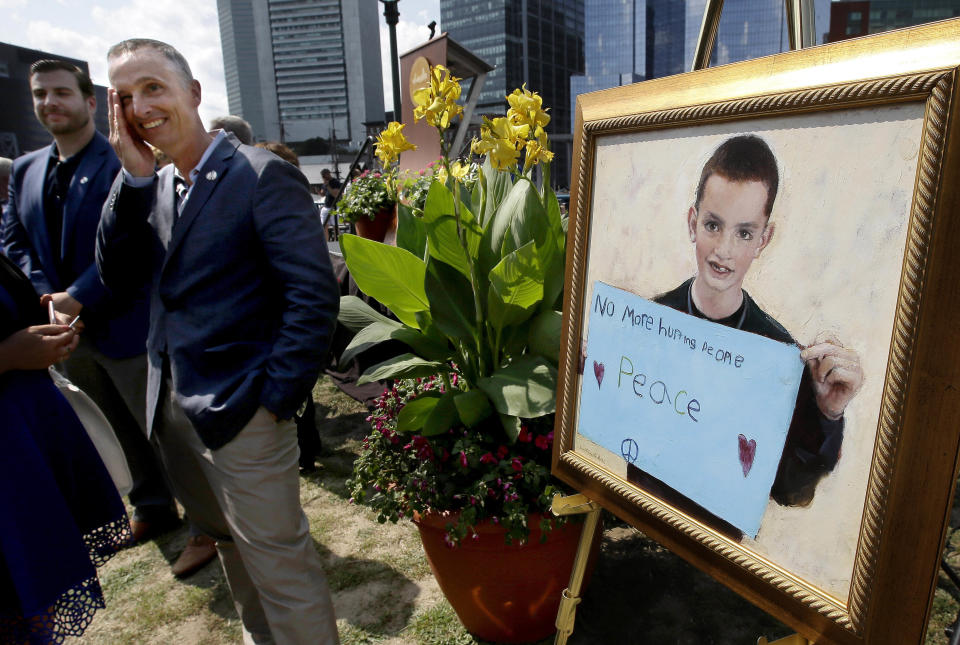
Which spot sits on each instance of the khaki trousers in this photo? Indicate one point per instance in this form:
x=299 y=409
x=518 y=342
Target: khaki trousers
x=246 y=495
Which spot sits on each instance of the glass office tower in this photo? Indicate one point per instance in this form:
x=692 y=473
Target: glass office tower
x=298 y=69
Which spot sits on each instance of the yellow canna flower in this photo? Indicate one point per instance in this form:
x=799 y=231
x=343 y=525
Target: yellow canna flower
x=391 y=142
x=502 y=153
x=501 y=141
x=526 y=108
x=459 y=170
x=437 y=104
x=442 y=175
x=502 y=128
x=536 y=152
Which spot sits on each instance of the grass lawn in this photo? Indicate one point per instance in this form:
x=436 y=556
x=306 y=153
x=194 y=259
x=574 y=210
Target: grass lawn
x=384 y=592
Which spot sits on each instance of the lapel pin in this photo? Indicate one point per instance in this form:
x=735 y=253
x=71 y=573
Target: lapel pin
x=84 y=180
x=212 y=175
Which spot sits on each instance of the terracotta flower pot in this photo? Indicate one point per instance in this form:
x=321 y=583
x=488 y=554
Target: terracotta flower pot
x=503 y=593
x=376 y=229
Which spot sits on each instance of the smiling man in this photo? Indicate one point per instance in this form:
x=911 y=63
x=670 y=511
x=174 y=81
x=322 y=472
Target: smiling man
x=729 y=225
x=49 y=230
x=243 y=300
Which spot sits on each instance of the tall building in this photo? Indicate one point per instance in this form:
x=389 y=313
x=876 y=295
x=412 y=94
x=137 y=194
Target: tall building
x=299 y=69
x=20 y=131
x=849 y=19
x=614 y=46
x=632 y=40
x=537 y=42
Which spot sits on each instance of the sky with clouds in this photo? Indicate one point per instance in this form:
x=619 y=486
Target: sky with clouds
x=86 y=29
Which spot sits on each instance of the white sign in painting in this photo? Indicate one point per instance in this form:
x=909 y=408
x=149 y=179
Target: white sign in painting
x=702 y=407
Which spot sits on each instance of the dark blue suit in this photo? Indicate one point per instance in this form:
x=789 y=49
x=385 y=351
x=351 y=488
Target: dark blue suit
x=243 y=302
x=117 y=327
x=243 y=297
x=109 y=364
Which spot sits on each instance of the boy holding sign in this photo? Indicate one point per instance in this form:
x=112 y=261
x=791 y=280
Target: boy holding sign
x=730 y=226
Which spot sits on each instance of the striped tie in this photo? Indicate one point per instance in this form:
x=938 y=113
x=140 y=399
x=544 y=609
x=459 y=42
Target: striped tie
x=180 y=186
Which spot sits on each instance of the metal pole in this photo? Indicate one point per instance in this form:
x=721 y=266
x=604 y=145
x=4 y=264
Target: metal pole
x=800 y=23
x=570 y=598
x=708 y=34
x=392 y=15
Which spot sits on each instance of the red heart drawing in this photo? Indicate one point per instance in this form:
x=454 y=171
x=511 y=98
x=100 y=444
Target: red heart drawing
x=748 y=449
x=598 y=372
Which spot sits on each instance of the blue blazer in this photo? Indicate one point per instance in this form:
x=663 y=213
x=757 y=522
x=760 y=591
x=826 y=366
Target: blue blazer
x=243 y=297
x=118 y=327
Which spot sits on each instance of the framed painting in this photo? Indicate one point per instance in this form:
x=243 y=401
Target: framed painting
x=759 y=365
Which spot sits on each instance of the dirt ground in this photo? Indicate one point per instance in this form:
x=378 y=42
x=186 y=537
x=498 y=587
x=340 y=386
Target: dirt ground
x=384 y=592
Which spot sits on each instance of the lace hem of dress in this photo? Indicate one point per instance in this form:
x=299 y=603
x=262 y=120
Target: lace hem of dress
x=70 y=615
x=104 y=542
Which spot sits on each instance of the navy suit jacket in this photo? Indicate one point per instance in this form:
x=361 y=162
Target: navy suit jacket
x=117 y=326
x=243 y=297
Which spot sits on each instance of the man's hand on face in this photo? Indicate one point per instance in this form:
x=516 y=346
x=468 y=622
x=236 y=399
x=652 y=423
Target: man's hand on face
x=837 y=374
x=135 y=155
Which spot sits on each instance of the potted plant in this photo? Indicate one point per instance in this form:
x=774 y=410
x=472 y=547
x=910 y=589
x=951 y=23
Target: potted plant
x=462 y=442
x=370 y=201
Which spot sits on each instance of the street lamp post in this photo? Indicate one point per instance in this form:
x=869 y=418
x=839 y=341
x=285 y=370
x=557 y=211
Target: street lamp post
x=392 y=15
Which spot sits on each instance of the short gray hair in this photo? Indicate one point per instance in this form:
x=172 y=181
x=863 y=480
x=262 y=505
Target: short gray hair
x=133 y=44
x=6 y=165
x=236 y=125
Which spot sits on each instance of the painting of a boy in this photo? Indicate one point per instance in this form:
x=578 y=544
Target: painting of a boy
x=729 y=225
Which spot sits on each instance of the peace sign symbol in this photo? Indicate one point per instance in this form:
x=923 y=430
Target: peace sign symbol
x=630 y=450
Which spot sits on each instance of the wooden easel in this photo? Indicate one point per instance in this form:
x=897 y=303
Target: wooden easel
x=800 y=25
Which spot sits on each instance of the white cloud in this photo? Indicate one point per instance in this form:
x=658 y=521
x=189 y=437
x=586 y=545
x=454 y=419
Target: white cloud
x=409 y=35
x=189 y=25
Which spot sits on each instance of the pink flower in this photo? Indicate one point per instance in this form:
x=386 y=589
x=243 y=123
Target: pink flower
x=488 y=458
x=516 y=465
x=463 y=459
x=542 y=442
x=502 y=452
x=422 y=445
x=525 y=435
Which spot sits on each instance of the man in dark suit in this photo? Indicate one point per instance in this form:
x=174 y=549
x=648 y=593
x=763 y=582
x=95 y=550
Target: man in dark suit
x=49 y=230
x=243 y=301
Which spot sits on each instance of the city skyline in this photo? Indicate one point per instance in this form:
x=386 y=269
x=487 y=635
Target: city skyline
x=85 y=31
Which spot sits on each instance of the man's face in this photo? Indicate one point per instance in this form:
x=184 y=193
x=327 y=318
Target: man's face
x=730 y=229
x=158 y=103
x=59 y=104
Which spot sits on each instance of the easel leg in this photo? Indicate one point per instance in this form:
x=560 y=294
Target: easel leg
x=566 y=614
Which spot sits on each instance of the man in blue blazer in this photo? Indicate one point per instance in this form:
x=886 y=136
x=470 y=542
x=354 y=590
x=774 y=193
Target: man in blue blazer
x=49 y=230
x=243 y=302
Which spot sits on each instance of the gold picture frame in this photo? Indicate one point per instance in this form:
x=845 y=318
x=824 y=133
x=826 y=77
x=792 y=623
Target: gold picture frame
x=910 y=466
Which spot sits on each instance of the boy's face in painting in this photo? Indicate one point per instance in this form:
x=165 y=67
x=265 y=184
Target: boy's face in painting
x=730 y=229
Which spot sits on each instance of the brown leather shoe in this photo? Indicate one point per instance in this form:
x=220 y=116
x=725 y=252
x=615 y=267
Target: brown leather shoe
x=199 y=551
x=144 y=530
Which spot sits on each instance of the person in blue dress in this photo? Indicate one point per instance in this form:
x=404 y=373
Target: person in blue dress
x=61 y=514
